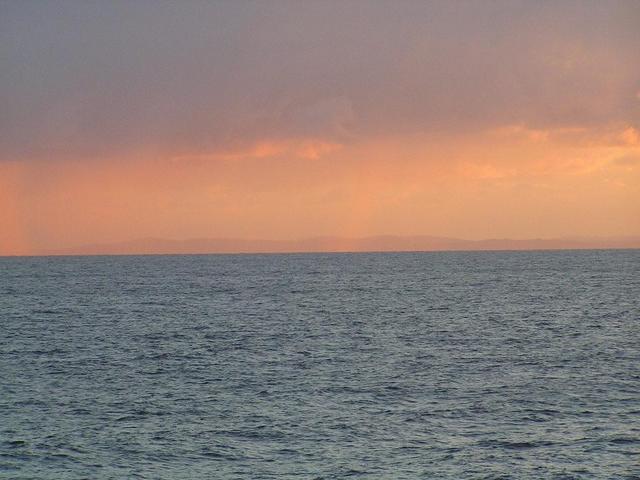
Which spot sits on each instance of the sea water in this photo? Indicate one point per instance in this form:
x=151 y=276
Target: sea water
x=521 y=365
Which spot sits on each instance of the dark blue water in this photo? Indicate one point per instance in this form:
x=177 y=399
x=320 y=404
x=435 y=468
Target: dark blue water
x=321 y=366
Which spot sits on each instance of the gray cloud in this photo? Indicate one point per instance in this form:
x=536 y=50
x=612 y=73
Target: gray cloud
x=97 y=79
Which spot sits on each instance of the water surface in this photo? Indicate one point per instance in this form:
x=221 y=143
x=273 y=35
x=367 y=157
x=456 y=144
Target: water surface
x=321 y=366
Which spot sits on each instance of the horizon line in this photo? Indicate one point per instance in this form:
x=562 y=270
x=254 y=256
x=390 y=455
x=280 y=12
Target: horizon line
x=310 y=252
x=334 y=244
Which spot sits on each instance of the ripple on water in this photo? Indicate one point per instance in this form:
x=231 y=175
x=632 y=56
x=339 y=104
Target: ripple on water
x=406 y=366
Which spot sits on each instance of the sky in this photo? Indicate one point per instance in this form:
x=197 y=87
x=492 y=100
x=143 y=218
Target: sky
x=284 y=119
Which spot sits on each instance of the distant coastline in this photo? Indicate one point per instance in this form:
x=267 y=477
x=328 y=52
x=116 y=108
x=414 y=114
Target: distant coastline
x=382 y=243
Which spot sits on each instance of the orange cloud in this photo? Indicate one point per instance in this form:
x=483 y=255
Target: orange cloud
x=14 y=237
x=306 y=149
x=504 y=184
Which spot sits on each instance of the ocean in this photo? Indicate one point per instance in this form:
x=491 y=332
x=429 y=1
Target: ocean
x=460 y=365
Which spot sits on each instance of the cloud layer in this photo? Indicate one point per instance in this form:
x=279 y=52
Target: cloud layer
x=285 y=119
x=106 y=79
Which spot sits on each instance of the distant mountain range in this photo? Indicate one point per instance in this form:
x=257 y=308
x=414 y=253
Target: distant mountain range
x=383 y=243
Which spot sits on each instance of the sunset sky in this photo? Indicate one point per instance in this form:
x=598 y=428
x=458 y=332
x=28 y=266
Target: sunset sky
x=122 y=120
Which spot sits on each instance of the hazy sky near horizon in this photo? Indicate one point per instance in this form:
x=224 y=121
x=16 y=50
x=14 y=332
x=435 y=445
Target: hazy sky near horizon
x=288 y=119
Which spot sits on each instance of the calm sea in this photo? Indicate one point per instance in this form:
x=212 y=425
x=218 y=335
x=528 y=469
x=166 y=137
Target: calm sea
x=522 y=365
